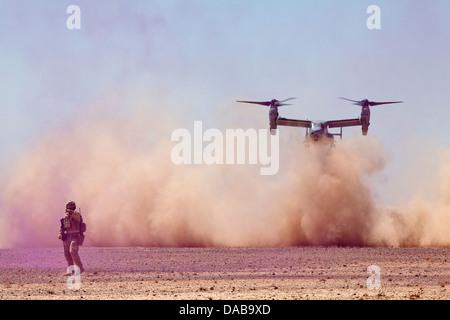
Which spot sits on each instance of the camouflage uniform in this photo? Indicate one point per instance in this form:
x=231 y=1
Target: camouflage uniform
x=70 y=233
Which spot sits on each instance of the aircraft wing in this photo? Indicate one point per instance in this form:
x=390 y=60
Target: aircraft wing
x=294 y=123
x=343 y=123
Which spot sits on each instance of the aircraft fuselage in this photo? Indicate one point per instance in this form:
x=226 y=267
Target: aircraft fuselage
x=318 y=133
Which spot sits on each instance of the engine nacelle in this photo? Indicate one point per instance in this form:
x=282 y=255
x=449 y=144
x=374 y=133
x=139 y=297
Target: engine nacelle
x=365 y=130
x=365 y=120
x=273 y=116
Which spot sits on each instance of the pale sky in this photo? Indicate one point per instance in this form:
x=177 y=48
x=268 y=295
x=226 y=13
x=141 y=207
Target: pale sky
x=198 y=57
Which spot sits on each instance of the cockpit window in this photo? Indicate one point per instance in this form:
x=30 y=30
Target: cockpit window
x=316 y=126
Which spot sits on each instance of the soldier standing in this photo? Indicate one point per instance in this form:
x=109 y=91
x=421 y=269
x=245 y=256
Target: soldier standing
x=72 y=236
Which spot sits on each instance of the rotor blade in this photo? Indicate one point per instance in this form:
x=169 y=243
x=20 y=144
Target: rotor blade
x=264 y=103
x=357 y=102
x=372 y=103
x=287 y=100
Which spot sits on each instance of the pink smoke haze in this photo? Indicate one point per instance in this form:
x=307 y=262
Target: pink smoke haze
x=131 y=194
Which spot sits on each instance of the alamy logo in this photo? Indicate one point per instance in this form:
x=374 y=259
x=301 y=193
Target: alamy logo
x=374 y=21
x=230 y=148
x=73 y=22
x=74 y=280
x=373 y=281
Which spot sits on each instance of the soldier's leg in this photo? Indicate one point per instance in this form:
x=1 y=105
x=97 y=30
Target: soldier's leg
x=67 y=254
x=74 y=253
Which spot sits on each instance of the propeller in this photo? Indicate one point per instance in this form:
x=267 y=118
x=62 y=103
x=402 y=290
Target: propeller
x=367 y=103
x=272 y=103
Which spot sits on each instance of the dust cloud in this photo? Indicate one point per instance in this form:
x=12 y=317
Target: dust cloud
x=120 y=174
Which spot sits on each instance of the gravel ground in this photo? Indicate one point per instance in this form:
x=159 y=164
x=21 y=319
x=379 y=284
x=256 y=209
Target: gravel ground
x=229 y=273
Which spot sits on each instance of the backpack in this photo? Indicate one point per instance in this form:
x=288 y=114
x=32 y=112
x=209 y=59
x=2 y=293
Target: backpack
x=82 y=230
x=82 y=226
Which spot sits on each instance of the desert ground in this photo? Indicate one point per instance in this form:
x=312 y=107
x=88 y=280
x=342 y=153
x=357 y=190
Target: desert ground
x=261 y=273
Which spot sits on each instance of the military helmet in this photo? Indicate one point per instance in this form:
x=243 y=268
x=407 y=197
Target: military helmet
x=71 y=205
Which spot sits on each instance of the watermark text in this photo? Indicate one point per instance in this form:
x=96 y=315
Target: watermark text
x=236 y=146
x=374 y=281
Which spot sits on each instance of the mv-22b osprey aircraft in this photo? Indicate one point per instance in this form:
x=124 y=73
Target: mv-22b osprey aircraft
x=317 y=131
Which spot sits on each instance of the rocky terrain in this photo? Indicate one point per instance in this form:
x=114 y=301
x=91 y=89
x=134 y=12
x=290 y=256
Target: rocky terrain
x=261 y=273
